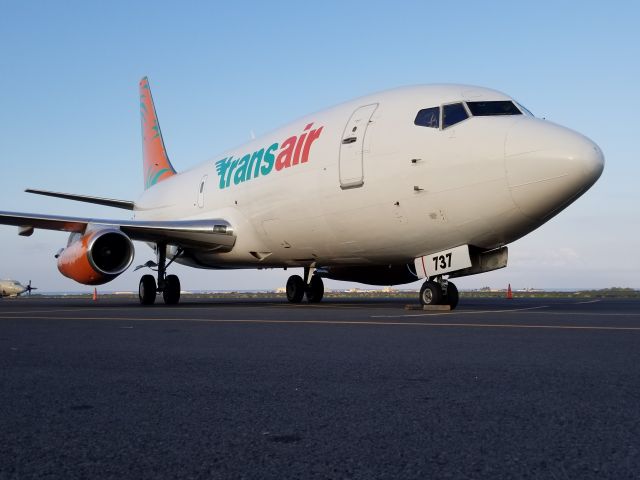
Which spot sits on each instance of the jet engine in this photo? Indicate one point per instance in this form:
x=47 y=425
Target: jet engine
x=96 y=257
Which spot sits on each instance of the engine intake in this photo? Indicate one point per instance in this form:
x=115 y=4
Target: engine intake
x=97 y=257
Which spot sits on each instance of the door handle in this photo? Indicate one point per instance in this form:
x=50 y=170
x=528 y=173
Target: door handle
x=348 y=140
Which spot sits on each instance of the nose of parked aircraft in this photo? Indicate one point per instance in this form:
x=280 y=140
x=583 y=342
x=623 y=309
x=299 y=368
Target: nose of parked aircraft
x=549 y=166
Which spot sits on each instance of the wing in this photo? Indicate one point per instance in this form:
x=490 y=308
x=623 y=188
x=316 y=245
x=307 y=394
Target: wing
x=109 y=202
x=214 y=234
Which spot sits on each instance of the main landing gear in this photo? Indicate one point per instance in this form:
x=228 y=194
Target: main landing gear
x=297 y=288
x=439 y=292
x=169 y=285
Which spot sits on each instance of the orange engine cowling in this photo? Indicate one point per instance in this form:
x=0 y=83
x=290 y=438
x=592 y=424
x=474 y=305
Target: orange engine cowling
x=96 y=257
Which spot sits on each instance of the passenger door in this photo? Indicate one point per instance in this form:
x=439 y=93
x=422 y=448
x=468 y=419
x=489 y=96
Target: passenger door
x=352 y=147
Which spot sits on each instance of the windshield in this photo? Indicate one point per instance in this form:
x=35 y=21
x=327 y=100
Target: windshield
x=486 y=109
x=428 y=117
x=525 y=110
x=452 y=114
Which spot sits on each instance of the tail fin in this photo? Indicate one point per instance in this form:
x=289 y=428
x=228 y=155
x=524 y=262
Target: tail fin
x=157 y=166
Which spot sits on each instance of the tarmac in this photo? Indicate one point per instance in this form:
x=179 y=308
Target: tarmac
x=358 y=389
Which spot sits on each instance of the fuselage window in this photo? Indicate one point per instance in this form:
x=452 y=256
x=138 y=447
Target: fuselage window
x=428 y=117
x=494 y=108
x=452 y=114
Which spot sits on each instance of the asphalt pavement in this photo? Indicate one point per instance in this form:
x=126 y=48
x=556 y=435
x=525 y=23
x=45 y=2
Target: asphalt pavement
x=360 y=389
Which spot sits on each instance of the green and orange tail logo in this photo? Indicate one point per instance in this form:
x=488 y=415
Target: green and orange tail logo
x=157 y=166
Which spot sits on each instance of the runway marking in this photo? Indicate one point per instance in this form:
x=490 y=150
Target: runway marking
x=524 y=310
x=588 y=301
x=589 y=314
x=208 y=307
x=462 y=312
x=48 y=311
x=338 y=322
x=113 y=309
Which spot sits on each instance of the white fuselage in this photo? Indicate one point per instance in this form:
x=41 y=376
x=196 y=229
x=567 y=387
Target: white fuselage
x=11 y=288
x=396 y=192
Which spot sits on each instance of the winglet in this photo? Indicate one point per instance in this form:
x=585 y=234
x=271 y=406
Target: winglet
x=157 y=166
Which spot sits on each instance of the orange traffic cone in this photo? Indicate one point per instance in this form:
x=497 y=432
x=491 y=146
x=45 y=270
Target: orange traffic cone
x=509 y=292
x=95 y=294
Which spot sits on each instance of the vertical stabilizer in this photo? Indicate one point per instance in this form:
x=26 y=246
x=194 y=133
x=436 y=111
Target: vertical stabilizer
x=157 y=166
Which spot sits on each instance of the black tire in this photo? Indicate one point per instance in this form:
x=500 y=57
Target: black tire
x=452 y=296
x=295 y=289
x=315 y=289
x=171 y=290
x=430 y=294
x=147 y=290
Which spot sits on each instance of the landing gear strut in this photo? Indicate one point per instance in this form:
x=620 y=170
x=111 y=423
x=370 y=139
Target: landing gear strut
x=169 y=285
x=312 y=286
x=439 y=292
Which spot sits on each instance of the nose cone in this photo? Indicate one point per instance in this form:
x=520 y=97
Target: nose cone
x=549 y=166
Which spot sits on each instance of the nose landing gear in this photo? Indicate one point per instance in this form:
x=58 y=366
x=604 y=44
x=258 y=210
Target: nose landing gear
x=439 y=292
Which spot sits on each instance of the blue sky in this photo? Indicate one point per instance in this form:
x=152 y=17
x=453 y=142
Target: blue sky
x=69 y=108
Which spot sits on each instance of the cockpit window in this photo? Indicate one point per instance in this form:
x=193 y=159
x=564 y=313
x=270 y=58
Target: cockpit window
x=524 y=110
x=428 y=117
x=452 y=114
x=488 y=109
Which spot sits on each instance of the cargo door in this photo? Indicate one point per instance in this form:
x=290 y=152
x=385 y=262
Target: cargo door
x=352 y=147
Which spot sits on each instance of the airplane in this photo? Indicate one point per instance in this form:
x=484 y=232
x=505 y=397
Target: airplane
x=427 y=182
x=13 y=288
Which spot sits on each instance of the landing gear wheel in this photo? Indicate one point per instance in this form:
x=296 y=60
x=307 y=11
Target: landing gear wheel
x=147 y=290
x=295 y=289
x=452 y=296
x=430 y=294
x=171 y=290
x=315 y=289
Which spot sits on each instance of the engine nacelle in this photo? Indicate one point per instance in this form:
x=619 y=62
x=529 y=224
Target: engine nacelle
x=96 y=257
